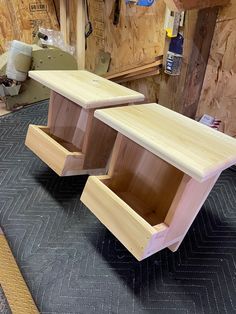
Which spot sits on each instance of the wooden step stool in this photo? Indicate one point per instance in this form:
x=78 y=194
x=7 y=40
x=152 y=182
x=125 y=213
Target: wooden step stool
x=74 y=142
x=162 y=169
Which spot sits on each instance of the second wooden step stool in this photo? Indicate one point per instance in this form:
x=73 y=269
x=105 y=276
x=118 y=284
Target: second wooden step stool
x=74 y=142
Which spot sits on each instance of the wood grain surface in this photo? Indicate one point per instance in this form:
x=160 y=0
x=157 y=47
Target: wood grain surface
x=53 y=153
x=20 y=17
x=218 y=92
x=86 y=89
x=130 y=228
x=137 y=38
x=196 y=149
x=182 y=5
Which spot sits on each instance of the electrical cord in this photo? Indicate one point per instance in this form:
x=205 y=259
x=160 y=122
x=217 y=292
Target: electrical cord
x=88 y=25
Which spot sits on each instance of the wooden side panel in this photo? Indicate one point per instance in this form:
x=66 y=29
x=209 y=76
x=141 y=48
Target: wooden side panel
x=98 y=143
x=133 y=231
x=80 y=130
x=20 y=17
x=218 y=92
x=64 y=119
x=155 y=182
x=188 y=201
x=124 y=160
x=144 y=181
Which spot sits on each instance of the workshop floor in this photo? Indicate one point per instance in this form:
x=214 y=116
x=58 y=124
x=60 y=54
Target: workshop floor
x=3 y=110
x=73 y=264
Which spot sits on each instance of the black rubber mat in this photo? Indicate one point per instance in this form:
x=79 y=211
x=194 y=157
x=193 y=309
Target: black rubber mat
x=73 y=264
x=4 y=306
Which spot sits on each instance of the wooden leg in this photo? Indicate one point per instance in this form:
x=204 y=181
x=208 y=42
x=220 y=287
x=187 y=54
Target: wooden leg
x=188 y=201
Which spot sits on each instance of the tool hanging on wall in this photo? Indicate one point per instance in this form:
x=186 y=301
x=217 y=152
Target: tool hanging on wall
x=88 y=24
x=117 y=9
x=173 y=20
x=142 y=3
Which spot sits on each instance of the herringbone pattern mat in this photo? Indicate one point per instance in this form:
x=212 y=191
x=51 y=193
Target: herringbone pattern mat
x=4 y=306
x=72 y=264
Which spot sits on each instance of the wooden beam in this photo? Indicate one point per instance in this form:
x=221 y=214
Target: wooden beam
x=128 y=78
x=182 y=93
x=183 y=5
x=135 y=73
x=80 y=34
x=64 y=20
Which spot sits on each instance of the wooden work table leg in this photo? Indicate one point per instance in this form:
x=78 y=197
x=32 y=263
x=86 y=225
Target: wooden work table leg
x=188 y=201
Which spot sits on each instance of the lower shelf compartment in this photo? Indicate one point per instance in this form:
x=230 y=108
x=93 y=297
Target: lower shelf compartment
x=59 y=155
x=128 y=224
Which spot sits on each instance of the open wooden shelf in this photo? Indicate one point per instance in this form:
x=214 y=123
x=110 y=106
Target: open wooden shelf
x=59 y=155
x=136 y=194
x=145 y=182
x=124 y=221
x=73 y=142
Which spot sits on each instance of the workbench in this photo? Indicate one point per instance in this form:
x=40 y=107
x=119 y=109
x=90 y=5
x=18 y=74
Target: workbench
x=163 y=167
x=74 y=142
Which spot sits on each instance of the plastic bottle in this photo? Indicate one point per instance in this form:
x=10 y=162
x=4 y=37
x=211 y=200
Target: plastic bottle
x=19 y=61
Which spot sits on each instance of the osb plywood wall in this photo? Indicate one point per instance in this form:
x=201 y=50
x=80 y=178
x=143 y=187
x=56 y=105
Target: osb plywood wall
x=139 y=37
x=218 y=97
x=18 y=18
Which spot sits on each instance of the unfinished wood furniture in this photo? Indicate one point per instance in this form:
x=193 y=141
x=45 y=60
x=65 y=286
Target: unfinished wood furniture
x=74 y=142
x=162 y=169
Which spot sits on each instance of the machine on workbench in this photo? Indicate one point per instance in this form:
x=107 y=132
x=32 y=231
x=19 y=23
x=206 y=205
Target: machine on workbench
x=16 y=93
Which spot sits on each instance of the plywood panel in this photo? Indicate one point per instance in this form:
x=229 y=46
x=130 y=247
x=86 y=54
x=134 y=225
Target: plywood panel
x=219 y=93
x=19 y=19
x=182 y=93
x=138 y=37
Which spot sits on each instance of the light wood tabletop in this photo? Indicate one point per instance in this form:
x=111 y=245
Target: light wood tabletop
x=85 y=88
x=196 y=149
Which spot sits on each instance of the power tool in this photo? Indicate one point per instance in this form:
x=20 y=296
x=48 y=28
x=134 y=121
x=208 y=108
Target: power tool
x=142 y=3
